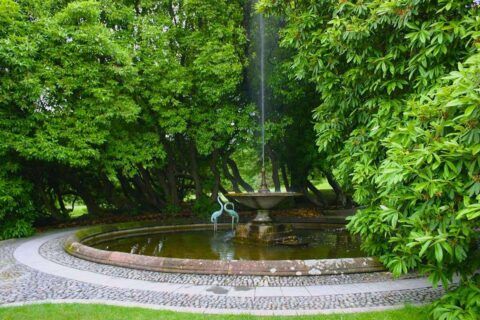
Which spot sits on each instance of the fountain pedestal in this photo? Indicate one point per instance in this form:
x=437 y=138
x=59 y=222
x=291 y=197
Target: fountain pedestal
x=262 y=230
x=263 y=216
x=265 y=233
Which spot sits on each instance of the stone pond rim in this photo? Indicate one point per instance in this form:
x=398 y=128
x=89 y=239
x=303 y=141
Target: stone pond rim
x=78 y=245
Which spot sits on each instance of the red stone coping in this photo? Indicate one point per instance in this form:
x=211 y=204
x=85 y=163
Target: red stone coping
x=77 y=245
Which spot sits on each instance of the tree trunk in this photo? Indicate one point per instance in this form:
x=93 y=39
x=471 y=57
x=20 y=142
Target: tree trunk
x=145 y=197
x=238 y=177
x=194 y=170
x=283 y=168
x=129 y=192
x=92 y=205
x=275 y=176
x=172 y=180
x=118 y=199
x=216 y=174
x=50 y=204
x=150 y=191
x=75 y=198
x=58 y=194
x=298 y=178
x=345 y=200
x=320 y=200
x=61 y=203
x=229 y=176
x=162 y=180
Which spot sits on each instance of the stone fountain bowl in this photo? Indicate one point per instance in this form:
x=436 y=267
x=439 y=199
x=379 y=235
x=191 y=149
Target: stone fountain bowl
x=261 y=200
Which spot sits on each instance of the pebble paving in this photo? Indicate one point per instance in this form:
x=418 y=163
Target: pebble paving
x=53 y=250
x=19 y=283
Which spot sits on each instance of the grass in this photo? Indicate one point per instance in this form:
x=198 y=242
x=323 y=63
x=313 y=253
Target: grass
x=322 y=184
x=104 y=312
x=79 y=210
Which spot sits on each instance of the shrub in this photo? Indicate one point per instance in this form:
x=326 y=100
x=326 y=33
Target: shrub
x=399 y=118
x=16 y=208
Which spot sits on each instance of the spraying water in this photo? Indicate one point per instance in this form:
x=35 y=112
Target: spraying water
x=262 y=82
x=261 y=23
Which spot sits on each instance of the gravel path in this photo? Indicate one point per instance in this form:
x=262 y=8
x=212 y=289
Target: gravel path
x=48 y=273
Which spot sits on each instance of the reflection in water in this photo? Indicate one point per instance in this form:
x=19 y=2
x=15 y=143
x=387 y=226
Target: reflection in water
x=222 y=244
x=204 y=244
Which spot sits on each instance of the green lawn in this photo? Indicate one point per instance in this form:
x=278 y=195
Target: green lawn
x=322 y=184
x=103 y=312
x=79 y=210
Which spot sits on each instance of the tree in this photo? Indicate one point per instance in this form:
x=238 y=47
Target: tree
x=125 y=105
x=16 y=61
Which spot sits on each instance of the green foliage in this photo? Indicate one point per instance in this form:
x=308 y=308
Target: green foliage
x=134 y=106
x=399 y=120
x=16 y=208
x=204 y=207
x=462 y=303
x=171 y=209
x=365 y=64
x=427 y=203
x=16 y=229
x=118 y=103
x=9 y=11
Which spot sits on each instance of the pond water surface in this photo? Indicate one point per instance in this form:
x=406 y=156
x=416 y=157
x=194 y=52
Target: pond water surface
x=205 y=244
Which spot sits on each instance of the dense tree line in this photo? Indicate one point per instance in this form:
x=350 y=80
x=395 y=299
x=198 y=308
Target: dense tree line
x=142 y=105
x=139 y=105
x=125 y=105
x=399 y=120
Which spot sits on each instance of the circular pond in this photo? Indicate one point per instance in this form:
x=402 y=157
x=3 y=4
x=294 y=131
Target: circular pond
x=324 y=249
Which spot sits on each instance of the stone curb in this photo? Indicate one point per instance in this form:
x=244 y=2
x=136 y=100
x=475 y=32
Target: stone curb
x=77 y=245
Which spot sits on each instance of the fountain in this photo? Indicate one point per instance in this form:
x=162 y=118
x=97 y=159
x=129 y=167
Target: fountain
x=262 y=228
x=259 y=247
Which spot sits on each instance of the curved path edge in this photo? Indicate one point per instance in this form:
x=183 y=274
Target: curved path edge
x=28 y=254
x=28 y=276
